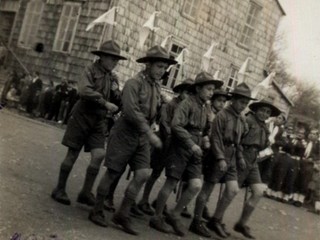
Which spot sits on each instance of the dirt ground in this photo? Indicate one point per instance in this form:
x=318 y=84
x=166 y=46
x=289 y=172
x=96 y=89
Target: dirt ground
x=30 y=155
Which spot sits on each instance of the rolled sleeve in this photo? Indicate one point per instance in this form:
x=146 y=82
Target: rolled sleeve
x=179 y=121
x=131 y=109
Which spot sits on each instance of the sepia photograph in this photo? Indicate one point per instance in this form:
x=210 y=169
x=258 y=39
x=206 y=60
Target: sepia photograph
x=159 y=119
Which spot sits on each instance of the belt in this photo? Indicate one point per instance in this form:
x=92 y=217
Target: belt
x=230 y=145
x=195 y=132
x=251 y=147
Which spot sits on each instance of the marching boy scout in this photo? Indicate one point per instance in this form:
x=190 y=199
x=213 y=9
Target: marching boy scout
x=157 y=157
x=131 y=136
x=99 y=94
x=228 y=128
x=185 y=157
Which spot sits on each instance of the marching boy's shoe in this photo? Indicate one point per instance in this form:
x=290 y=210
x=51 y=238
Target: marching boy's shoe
x=176 y=224
x=245 y=230
x=216 y=226
x=199 y=228
x=145 y=207
x=60 y=196
x=87 y=199
x=206 y=214
x=98 y=218
x=125 y=223
x=185 y=213
x=109 y=206
x=159 y=224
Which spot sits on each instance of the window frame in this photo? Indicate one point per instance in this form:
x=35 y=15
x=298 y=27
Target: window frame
x=69 y=18
x=174 y=72
x=232 y=77
x=250 y=24
x=192 y=6
x=32 y=32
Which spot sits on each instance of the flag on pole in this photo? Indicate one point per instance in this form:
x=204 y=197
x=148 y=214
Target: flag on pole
x=107 y=17
x=207 y=57
x=217 y=75
x=180 y=58
x=243 y=70
x=264 y=85
x=167 y=41
x=147 y=27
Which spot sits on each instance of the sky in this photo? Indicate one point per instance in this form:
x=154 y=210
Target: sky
x=301 y=33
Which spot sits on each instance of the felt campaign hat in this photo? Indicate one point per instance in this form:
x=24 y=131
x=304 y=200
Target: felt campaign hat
x=109 y=48
x=265 y=103
x=242 y=90
x=204 y=78
x=220 y=92
x=184 y=85
x=157 y=53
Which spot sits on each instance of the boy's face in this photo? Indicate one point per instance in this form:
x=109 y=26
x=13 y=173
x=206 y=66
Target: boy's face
x=313 y=135
x=109 y=62
x=279 y=120
x=205 y=92
x=263 y=113
x=300 y=133
x=239 y=104
x=184 y=94
x=219 y=102
x=157 y=69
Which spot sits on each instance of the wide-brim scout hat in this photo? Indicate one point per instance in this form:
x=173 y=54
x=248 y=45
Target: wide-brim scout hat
x=157 y=53
x=220 y=92
x=242 y=90
x=265 y=103
x=204 y=78
x=183 y=86
x=109 y=48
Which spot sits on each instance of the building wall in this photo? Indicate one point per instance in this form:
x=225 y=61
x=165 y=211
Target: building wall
x=218 y=20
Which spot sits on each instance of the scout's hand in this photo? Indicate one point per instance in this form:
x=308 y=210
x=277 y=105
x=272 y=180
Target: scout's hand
x=154 y=140
x=222 y=165
x=111 y=107
x=242 y=164
x=206 y=142
x=197 y=151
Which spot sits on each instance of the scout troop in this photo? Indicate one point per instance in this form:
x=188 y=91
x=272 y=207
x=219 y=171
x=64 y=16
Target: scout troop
x=195 y=139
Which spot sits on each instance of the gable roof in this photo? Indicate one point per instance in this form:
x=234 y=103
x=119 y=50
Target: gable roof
x=282 y=93
x=281 y=8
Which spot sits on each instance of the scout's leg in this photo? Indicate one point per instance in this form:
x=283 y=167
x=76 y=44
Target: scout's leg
x=96 y=215
x=59 y=193
x=122 y=216
x=85 y=196
x=250 y=204
x=215 y=223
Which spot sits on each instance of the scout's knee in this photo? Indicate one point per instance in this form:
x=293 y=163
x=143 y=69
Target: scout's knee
x=231 y=193
x=195 y=185
x=141 y=176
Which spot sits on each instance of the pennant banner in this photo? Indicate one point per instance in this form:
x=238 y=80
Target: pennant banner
x=147 y=27
x=167 y=41
x=180 y=58
x=265 y=85
x=108 y=17
x=207 y=57
x=243 y=70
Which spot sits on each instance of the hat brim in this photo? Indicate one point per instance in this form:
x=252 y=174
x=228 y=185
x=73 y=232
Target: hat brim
x=227 y=96
x=181 y=87
x=216 y=83
x=99 y=53
x=274 y=110
x=156 y=59
x=242 y=95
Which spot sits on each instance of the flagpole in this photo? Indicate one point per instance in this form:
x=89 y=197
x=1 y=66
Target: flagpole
x=105 y=26
x=155 y=24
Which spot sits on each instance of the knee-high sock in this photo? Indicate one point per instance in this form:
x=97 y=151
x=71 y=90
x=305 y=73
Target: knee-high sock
x=91 y=175
x=63 y=176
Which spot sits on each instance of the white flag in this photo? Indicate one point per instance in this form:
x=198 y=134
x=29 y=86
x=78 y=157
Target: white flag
x=216 y=75
x=149 y=25
x=180 y=58
x=207 y=57
x=107 y=17
x=265 y=85
x=243 y=70
x=167 y=41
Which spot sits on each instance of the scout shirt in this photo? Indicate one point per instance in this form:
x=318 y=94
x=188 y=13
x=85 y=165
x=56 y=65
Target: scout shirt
x=228 y=128
x=256 y=139
x=189 y=122
x=96 y=87
x=141 y=98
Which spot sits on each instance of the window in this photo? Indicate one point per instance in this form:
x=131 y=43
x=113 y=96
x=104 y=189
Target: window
x=31 y=23
x=251 y=22
x=233 y=79
x=67 y=27
x=171 y=78
x=191 y=7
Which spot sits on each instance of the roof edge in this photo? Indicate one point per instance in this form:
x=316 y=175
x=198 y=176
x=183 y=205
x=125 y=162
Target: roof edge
x=281 y=8
x=282 y=93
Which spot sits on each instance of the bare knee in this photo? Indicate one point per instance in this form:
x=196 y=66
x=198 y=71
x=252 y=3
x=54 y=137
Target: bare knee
x=97 y=156
x=71 y=156
x=142 y=175
x=195 y=185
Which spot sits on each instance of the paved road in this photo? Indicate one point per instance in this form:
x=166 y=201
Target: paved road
x=30 y=155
